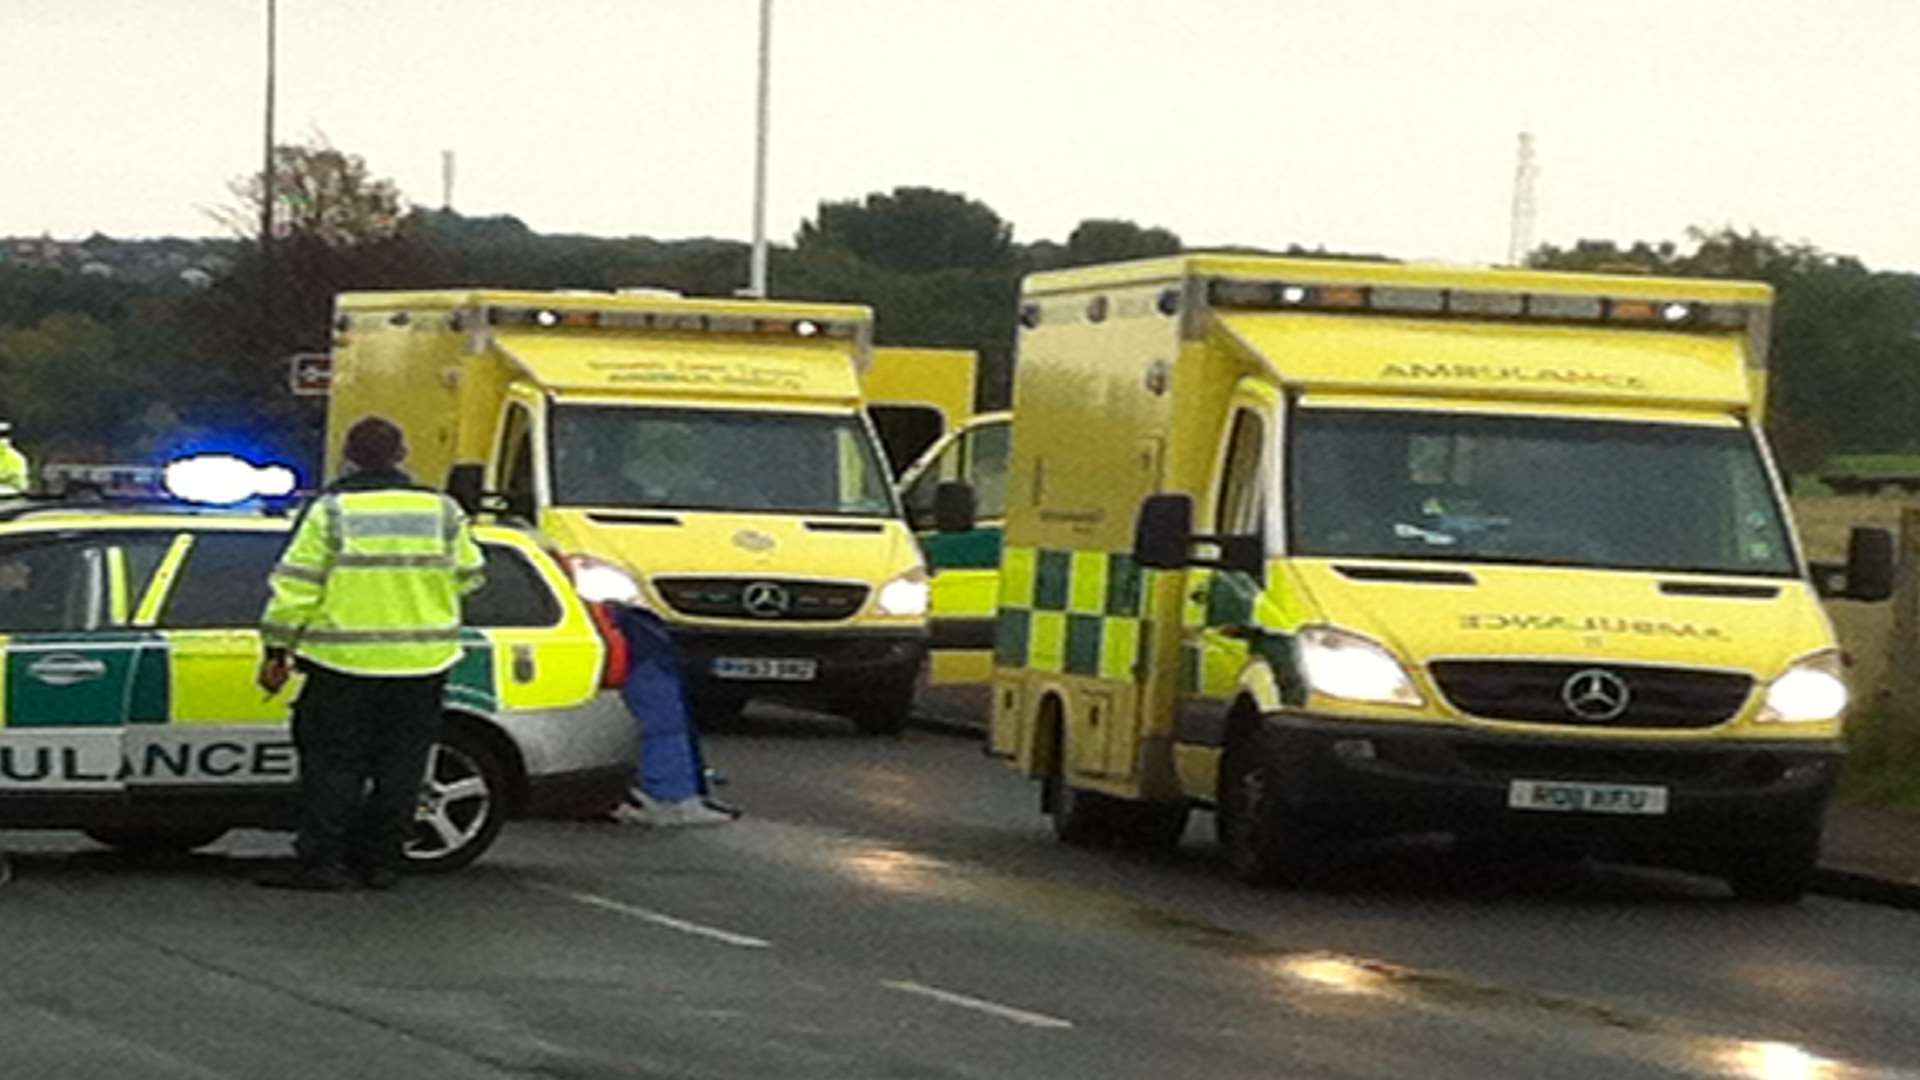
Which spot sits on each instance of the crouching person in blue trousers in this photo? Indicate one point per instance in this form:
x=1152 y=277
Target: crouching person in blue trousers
x=669 y=785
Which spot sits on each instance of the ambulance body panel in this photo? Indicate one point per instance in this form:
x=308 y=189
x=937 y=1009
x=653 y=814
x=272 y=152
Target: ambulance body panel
x=917 y=396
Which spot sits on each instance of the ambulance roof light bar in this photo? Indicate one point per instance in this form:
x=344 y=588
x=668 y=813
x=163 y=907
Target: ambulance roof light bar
x=1673 y=313
x=683 y=321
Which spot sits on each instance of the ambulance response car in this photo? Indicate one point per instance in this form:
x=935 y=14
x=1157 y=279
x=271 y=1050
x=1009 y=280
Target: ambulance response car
x=1343 y=549
x=964 y=563
x=708 y=458
x=128 y=709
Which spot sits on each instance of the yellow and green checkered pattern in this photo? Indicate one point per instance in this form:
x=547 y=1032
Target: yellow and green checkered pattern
x=1072 y=612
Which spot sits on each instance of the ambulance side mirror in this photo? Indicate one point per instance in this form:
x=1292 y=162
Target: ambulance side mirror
x=955 y=509
x=1163 y=533
x=1868 y=573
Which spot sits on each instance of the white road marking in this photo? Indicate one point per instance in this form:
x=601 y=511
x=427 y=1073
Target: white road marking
x=1004 y=1012
x=727 y=937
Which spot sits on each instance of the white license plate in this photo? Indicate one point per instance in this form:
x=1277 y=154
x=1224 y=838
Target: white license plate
x=763 y=667
x=1570 y=797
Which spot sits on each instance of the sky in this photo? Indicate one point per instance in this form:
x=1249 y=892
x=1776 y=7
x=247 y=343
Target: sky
x=1384 y=126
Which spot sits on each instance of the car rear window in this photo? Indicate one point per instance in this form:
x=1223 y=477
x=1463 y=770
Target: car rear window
x=223 y=582
x=515 y=594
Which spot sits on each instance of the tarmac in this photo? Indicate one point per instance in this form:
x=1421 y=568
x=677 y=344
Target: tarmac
x=1871 y=854
x=1867 y=853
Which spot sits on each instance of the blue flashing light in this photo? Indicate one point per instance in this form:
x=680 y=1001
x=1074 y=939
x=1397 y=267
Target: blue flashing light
x=225 y=479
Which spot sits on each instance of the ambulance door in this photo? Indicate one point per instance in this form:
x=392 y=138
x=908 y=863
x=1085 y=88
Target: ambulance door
x=517 y=467
x=965 y=566
x=1219 y=602
x=73 y=674
x=220 y=729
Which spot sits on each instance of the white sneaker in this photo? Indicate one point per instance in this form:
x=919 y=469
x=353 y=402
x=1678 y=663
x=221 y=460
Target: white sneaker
x=682 y=814
x=627 y=814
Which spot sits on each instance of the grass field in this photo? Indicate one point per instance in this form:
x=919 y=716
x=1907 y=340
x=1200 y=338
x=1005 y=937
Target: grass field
x=1881 y=768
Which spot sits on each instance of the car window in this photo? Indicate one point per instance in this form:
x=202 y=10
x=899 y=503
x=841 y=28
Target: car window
x=988 y=448
x=1241 y=484
x=515 y=594
x=51 y=585
x=65 y=583
x=223 y=582
x=919 y=498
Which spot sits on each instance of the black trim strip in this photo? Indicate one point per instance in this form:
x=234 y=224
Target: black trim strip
x=1398 y=573
x=844 y=526
x=632 y=519
x=1707 y=588
x=962 y=633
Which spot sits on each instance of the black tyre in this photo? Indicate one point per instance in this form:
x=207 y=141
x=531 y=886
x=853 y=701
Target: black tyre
x=1265 y=844
x=142 y=840
x=884 y=713
x=1779 y=875
x=463 y=804
x=1082 y=818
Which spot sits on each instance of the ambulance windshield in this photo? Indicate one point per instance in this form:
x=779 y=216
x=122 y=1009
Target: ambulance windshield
x=1521 y=489
x=717 y=459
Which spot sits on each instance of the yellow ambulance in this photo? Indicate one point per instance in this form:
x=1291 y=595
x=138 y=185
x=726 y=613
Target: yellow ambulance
x=1343 y=549
x=710 y=459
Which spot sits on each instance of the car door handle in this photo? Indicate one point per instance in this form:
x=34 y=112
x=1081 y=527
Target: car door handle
x=66 y=669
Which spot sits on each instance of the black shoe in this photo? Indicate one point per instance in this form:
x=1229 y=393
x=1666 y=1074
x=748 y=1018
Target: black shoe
x=310 y=879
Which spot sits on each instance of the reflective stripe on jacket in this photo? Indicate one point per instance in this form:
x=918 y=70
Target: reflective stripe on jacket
x=371 y=583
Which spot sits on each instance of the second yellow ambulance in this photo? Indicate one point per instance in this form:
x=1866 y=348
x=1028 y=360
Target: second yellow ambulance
x=1340 y=549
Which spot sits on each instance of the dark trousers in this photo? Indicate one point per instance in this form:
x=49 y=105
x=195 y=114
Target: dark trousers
x=363 y=746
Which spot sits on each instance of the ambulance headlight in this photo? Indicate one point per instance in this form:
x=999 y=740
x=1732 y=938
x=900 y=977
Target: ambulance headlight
x=1810 y=691
x=907 y=595
x=601 y=582
x=223 y=479
x=1350 y=667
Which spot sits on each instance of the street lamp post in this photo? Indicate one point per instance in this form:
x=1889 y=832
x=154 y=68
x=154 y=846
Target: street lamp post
x=758 y=284
x=266 y=183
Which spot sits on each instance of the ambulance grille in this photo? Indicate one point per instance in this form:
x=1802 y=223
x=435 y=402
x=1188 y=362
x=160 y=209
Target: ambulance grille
x=1536 y=692
x=762 y=599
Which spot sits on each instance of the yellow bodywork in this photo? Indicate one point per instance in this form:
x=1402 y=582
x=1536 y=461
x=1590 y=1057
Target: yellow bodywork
x=1127 y=380
x=938 y=379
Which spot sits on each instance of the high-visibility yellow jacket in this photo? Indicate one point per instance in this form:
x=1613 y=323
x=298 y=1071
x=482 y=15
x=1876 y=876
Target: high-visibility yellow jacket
x=371 y=582
x=14 y=476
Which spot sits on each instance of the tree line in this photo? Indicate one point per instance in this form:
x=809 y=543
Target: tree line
x=100 y=369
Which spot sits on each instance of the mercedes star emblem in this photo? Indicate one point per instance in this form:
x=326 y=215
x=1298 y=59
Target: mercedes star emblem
x=1594 y=694
x=765 y=599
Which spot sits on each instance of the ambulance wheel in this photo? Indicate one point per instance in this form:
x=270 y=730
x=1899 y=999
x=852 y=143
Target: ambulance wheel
x=1265 y=844
x=1779 y=875
x=150 y=841
x=462 y=804
x=884 y=713
x=1081 y=818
